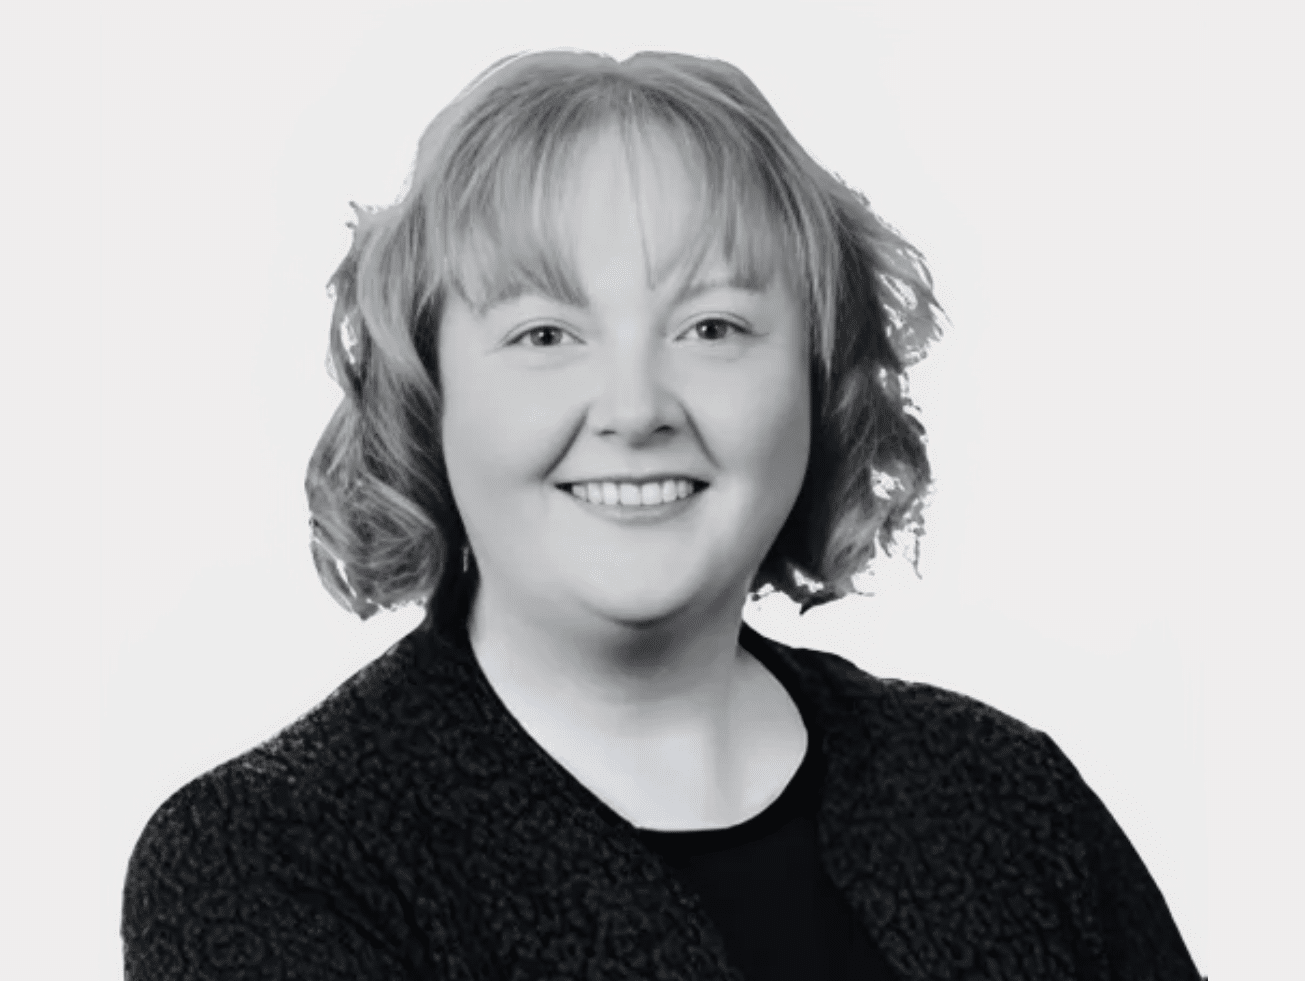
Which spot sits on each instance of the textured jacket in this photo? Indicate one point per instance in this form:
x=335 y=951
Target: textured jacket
x=409 y=827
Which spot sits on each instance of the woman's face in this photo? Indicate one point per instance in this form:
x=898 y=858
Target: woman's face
x=692 y=378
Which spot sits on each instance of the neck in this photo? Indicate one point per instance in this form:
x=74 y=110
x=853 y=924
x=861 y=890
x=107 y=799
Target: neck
x=631 y=683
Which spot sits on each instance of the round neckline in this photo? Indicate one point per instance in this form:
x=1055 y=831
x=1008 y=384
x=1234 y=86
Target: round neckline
x=787 y=805
x=760 y=823
x=788 y=802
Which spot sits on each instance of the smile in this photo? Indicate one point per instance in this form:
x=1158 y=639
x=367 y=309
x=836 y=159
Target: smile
x=626 y=494
x=635 y=503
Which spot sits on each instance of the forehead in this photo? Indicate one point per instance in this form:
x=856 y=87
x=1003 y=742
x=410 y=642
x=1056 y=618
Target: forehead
x=545 y=215
x=637 y=194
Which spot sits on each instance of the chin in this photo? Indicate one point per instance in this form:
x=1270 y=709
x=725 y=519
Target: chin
x=639 y=604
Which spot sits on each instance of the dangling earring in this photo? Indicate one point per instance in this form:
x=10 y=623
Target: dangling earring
x=466 y=558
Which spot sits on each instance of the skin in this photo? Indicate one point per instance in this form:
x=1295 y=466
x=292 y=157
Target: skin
x=616 y=646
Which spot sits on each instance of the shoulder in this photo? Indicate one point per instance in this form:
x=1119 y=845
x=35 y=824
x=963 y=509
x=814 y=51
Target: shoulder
x=899 y=716
x=264 y=807
x=236 y=876
x=282 y=802
x=913 y=750
x=201 y=836
x=327 y=755
x=272 y=852
x=936 y=722
x=993 y=804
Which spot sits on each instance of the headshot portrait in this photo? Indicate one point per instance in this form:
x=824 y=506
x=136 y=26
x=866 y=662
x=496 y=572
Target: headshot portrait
x=621 y=357
x=625 y=501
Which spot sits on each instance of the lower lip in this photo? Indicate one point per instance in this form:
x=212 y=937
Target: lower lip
x=637 y=515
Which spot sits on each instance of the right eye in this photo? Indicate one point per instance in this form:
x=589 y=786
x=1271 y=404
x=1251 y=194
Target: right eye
x=539 y=332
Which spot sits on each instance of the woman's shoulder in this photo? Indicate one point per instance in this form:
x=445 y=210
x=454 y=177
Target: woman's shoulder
x=892 y=711
x=302 y=777
x=275 y=848
x=922 y=745
x=923 y=781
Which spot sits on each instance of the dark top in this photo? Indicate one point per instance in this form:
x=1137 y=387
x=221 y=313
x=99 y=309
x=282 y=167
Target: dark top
x=763 y=886
x=408 y=827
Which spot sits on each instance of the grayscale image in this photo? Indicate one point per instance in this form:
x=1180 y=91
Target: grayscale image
x=622 y=357
x=695 y=491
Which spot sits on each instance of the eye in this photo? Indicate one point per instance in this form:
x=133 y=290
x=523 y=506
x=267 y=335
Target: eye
x=539 y=332
x=719 y=326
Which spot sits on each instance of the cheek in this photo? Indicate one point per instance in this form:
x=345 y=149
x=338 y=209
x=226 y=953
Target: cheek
x=495 y=436
x=790 y=446
x=770 y=431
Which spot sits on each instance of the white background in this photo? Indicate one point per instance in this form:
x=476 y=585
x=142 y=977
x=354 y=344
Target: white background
x=1108 y=196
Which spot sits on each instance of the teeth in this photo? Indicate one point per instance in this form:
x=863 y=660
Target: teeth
x=613 y=494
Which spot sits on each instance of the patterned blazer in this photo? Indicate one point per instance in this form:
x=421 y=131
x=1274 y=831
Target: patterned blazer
x=408 y=827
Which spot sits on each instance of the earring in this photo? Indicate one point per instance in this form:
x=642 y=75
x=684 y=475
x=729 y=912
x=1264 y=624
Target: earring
x=466 y=558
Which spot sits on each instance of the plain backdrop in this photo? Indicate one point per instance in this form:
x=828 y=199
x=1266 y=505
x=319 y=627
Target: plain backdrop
x=1107 y=195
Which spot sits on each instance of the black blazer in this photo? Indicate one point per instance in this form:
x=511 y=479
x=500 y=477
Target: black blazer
x=408 y=827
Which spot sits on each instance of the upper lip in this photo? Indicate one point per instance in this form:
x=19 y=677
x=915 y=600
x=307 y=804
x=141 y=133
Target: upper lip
x=630 y=479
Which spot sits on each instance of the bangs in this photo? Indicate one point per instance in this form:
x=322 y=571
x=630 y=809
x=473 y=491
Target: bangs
x=503 y=211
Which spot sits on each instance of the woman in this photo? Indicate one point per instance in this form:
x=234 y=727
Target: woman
x=622 y=357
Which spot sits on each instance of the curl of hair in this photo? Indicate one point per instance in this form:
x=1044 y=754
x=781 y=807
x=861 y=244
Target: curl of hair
x=385 y=528
x=868 y=477
x=383 y=519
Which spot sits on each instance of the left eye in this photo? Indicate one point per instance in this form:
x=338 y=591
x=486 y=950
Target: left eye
x=718 y=325
x=544 y=330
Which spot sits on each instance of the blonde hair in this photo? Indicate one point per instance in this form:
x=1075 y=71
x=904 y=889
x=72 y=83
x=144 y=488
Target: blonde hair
x=478 y=218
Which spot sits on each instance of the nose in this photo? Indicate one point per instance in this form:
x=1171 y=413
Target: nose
x=635 y=401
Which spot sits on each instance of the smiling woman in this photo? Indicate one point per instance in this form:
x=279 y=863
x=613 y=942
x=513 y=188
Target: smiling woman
x=637 y=393
x=497 y=225
x=622 y=357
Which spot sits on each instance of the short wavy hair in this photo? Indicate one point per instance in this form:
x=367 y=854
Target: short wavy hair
x=477 y=218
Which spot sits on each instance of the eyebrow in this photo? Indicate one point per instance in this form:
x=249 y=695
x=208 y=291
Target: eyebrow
x=734 y=281
x=565 y=296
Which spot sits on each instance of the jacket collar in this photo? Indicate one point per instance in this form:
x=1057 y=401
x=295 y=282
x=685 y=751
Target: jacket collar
x=527 y=801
